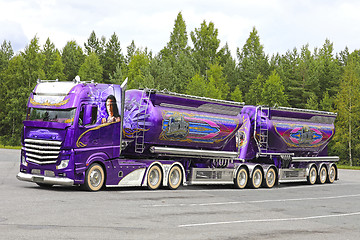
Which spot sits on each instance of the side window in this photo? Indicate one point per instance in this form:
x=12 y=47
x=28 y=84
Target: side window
x=87 y=115
x=81 y=115
x=94 y=112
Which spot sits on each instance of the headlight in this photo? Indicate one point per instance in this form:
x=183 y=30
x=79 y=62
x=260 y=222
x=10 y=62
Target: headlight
x=63 y=164
x=23 y=160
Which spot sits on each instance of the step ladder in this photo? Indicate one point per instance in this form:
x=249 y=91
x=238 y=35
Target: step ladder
x=141 y=121
x=261 y=128
x=264 y=130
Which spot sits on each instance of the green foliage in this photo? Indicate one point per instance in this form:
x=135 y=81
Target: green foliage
x=318 y=79
x=139 y=71
x=236 y=95
x=91 y=69
x=273 y=91
x=206 y=42
x=72 y=58
x=253 y=97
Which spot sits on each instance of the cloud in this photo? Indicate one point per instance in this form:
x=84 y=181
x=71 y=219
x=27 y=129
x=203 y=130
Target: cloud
x=281 y=24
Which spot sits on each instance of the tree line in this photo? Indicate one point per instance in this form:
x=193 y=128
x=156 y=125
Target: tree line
x=318 y=79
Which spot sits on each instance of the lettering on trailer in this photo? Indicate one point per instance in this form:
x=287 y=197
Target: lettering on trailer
x=181 y=126
x=296 y=135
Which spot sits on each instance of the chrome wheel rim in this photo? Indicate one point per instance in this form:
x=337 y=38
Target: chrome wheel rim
x=154 y=177
x=270 y=178
x=257 y=179
x=313 y=175
x=242 y=178
x=95 y=178
x=174 y=177
x=323 y=175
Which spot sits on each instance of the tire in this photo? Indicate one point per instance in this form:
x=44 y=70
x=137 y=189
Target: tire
x=311 y=178
x=270 y=178
x=175 y=177
x=154 y=177
x=94 y=178
x=256 y=179
x=241 y=178
x=322 y=175
x=331 y=174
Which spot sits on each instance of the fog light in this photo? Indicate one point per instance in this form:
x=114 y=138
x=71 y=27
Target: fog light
x=23 y=161
x=49 y=173
x=36 y=171
x=63 y=164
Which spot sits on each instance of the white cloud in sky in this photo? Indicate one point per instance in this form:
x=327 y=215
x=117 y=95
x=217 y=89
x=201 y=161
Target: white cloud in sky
x=281 y=24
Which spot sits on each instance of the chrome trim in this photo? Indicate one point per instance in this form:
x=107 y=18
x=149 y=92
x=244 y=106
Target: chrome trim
x=41 y=152
x=43 y=147
x=41 y=157
x=40 y=162
x=185 y=96
x=44 y=179
x=305 y=111
x=31 y=140
x=193 y=152
x=316 y=159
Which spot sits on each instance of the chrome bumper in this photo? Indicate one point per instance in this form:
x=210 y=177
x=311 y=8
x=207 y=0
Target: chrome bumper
x=43 y=179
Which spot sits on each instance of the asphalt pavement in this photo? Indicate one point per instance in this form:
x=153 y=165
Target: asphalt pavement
x=288 y=211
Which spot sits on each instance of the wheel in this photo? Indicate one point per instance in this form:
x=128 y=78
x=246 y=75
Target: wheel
x=94 y=178
x=256 y=179
x=322 y=175
x=241 y=178
x=154 y=177
x=270 y=178
x=311 y=179
x=175 y=177
x=331 y=174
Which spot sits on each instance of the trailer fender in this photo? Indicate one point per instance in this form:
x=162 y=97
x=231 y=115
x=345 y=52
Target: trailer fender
x=309 y=166
x=252 y=167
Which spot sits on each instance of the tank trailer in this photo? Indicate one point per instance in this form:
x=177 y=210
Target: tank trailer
x=97 y=135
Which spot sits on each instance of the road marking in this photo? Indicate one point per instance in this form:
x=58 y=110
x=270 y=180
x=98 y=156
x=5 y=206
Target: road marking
x=270 y=220
x=254 y=201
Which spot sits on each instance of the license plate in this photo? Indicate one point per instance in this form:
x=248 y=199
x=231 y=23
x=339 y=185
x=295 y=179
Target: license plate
x=38 y=179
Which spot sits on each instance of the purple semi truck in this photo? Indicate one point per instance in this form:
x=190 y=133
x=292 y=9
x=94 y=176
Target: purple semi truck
x=96 y=135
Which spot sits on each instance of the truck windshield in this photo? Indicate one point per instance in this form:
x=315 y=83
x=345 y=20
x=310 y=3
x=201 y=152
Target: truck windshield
x=52 y=115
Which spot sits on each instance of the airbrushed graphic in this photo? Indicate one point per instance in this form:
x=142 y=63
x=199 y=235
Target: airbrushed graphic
x=180 y=126
x=296 y=135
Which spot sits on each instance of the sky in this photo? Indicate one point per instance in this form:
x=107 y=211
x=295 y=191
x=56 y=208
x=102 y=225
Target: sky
x=281 y=24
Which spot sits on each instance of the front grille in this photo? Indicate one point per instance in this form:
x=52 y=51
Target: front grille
x=42 y=151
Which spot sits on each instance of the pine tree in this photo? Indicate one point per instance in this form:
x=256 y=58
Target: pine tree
x=252 y=60
x=236 y=95
x=72 y=58
x=254 y=96
x=112 y=57
x=348 y=109
x=206 y=43
x=273 y=91
x=91 y=68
